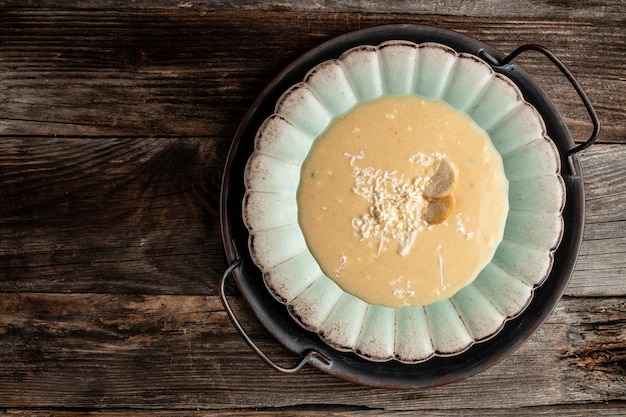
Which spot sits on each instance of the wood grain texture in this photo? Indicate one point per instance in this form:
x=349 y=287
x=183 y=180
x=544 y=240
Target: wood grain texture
x=601 y=267
x=564 y=9
x=86 y=215
x=115 y=123
x=602 y=409
x=139 y=351
x=163 y=73
x=118 y=215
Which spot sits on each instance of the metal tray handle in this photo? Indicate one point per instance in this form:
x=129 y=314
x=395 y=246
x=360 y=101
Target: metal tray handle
x=308 y=357
x=566 y=72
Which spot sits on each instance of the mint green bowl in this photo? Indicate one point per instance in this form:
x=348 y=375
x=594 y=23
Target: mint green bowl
x=503 y=289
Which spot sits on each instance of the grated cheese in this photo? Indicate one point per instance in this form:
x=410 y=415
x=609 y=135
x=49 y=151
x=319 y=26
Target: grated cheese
x=342 y=264
x=396 y=205
x=460 y=227
x=402 y=293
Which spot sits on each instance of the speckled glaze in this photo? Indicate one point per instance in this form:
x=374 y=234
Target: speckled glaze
x=533 y=229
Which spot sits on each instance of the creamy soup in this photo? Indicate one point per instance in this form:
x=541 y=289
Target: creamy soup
x=403 y=201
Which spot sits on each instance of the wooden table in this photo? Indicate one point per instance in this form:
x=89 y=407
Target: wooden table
x=115 y=123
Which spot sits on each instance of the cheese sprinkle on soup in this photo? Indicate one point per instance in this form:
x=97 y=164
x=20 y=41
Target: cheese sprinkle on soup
x=403 y=201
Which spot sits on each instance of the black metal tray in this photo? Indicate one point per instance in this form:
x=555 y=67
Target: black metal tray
x=393 y=374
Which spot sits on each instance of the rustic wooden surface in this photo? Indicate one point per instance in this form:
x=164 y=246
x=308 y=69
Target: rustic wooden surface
x=115 y=122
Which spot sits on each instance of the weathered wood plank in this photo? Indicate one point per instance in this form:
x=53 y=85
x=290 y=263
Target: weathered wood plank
x=95 y=73
x=138 y=215
x=115 y=120
x=181 y=352
x=601 y=267
x=597 y=343
x=601 y=409
x=141 y=215
x=609 y=10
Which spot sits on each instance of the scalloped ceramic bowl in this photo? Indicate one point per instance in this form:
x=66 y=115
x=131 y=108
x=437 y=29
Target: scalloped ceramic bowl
x=502 y=290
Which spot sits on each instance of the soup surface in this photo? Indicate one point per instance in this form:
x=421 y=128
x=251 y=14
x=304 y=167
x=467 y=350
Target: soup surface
x=403 y=201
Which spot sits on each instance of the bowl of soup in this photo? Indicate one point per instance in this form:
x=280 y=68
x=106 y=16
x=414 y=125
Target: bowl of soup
x=403 y=207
